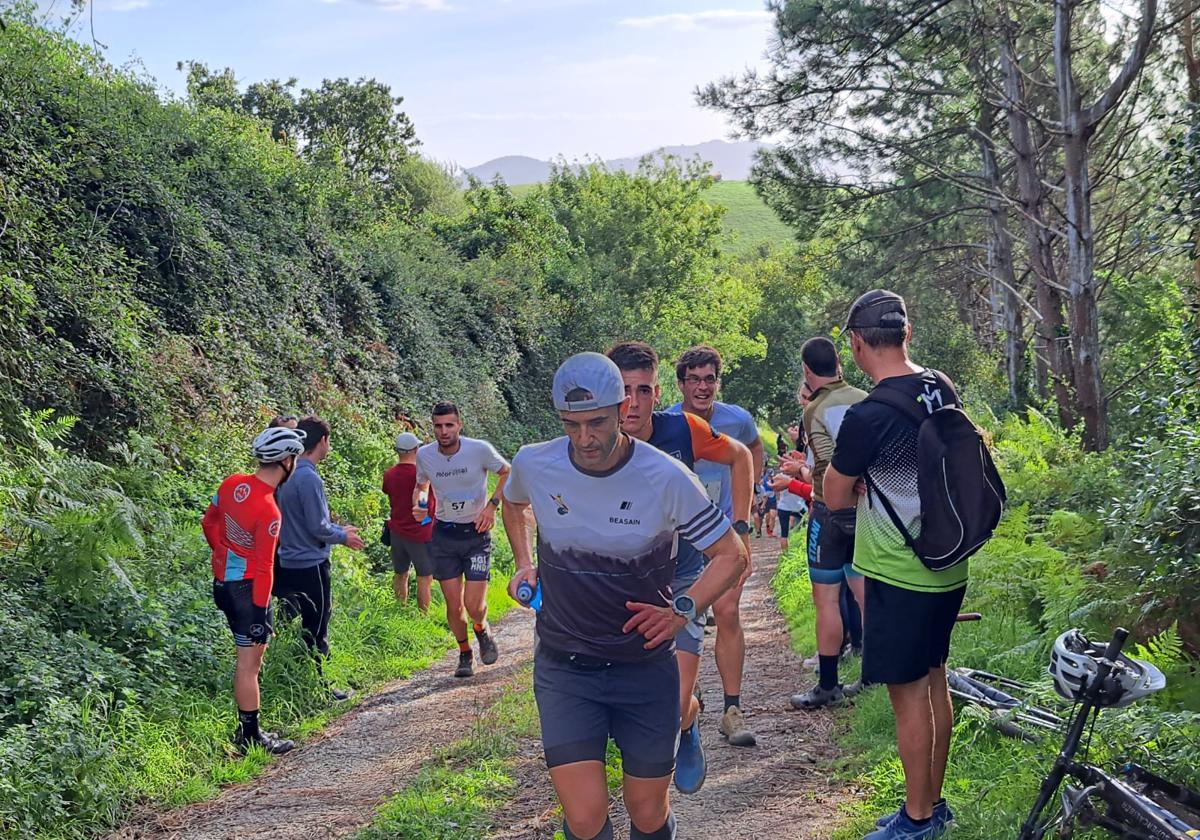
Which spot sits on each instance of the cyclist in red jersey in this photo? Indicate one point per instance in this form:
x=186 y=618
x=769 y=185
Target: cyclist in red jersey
x=242 y=527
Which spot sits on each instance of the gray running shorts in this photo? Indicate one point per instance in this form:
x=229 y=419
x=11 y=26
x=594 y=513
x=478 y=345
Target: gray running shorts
x=408 y=554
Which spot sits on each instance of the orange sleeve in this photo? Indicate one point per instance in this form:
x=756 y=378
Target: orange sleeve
x=211 y=525
x=707 y=444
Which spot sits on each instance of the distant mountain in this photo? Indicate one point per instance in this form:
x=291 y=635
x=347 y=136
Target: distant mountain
x=732 y=161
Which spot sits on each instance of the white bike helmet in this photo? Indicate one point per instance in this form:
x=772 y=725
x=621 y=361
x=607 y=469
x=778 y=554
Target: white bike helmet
x=276 y=444
x=1075 y=661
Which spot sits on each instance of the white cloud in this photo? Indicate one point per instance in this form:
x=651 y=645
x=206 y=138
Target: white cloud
x=687 y=21
x=128 y=5
x=390 y=5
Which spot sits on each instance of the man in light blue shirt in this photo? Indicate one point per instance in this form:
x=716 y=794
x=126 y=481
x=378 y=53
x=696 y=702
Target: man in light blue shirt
x=698 y=372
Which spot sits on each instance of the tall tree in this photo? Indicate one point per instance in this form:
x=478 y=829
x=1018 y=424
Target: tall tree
x=1079 y=125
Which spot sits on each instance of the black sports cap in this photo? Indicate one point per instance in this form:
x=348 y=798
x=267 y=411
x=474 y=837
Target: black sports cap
x=877 y=308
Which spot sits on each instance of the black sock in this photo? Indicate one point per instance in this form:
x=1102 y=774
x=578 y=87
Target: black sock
x=828 y=669
x=665 y=832
x=606 y=831
x=733 y=700
x=248 y=721
x=916 y=822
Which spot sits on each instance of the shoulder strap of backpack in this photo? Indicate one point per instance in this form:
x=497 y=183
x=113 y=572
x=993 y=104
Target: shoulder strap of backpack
x=907 y=406
x=891 y=512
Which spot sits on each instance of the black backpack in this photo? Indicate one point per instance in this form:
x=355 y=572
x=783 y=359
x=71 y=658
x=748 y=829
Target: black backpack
x=961 y=493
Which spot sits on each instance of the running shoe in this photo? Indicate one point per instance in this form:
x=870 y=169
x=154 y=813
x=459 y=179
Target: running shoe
x=941 y=813
x=341 y=694
x=853 y=690
x=487 y=648
x=813 y=662
x=901 y=827
x=817 y=697
x=690 y=766
x=268 y=741
x=466 y=664
x=733 y=727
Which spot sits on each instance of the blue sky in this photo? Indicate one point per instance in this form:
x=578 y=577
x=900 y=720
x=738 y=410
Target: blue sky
x=480 y=78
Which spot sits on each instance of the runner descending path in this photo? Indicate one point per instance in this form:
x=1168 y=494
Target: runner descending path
x=781 y=788
x=334 y=783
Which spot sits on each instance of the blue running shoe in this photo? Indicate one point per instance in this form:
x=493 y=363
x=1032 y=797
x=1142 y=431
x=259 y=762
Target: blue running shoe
x=941 y=813
x=690 y=767
x=903 y=828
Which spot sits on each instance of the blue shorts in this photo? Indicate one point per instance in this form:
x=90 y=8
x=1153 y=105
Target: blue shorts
x=830 y=549
x=690 y=639
x=582 y=703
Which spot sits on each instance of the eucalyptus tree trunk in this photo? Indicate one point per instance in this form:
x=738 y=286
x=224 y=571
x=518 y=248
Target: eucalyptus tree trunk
x=1007 y=306
x=1079 y=125
x=1052 y=358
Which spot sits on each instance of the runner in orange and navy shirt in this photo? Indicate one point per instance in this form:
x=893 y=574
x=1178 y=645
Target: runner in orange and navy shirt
x=242 y=528
x=688 y=439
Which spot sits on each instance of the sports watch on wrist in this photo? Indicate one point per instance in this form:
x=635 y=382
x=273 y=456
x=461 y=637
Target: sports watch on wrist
x=494 y=502
x=741 y=527
x=684 y=605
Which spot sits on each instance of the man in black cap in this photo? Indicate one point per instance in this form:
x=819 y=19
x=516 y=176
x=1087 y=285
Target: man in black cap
x=910 y=609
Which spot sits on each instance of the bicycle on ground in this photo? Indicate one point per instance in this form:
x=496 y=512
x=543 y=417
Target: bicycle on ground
x=1139 y=806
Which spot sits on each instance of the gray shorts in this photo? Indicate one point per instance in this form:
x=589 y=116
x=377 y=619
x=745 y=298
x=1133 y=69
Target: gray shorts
x=690 y=639
x=582 y=704
x=456 y=553
x=408 y=554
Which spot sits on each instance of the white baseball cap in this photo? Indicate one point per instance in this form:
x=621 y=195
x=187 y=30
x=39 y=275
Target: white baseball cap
x=594 y=374
x=407 y=441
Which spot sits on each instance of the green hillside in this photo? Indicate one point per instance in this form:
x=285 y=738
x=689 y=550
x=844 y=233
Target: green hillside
x=748 y=221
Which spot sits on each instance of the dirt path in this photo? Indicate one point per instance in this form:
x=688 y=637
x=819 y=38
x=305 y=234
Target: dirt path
x=332 y=785
x=781 y=788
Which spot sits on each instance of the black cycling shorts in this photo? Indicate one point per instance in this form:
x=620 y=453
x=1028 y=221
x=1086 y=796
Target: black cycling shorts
x=582 y=704
x=906 y=633
x=830 y=549
x=235 y=599
x=458 y=550
x=786 y=518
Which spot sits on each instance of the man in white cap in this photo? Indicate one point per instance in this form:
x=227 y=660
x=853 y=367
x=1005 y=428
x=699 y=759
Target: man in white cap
x=610 y=512
x=407 y=536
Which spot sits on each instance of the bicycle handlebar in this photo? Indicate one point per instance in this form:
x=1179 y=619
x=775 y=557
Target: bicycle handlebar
x=1120 y=635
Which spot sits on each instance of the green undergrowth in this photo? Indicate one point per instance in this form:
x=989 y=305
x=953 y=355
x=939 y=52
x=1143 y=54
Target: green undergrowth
x=461 y=792
x=1036 y=578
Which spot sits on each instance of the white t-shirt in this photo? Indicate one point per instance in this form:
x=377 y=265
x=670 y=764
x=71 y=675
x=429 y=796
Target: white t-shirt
x=460 y=481
x=604 y=539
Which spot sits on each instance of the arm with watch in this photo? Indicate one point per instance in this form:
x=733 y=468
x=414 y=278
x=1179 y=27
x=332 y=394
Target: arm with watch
x=486 y=518
x=728 y=561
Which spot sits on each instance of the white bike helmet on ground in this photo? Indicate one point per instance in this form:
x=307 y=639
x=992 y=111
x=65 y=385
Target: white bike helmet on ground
x=1075 y=661
x=277 y=444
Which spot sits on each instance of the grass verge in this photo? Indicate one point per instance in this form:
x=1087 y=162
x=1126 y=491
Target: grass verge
x=462 y=791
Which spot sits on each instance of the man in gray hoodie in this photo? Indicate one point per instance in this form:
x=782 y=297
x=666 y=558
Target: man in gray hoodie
x=307 y=537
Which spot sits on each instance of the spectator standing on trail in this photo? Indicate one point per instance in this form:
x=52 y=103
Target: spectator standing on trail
x=910 y=609
x=242 y=527
x=408 y=536
x=609 y=510
x=698 y=373
x=461 y=547
x=306 y=542
x=830 y=547
x=687 y=438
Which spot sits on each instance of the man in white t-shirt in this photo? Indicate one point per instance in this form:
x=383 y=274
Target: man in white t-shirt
x=461 y=548
x=610 y=512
